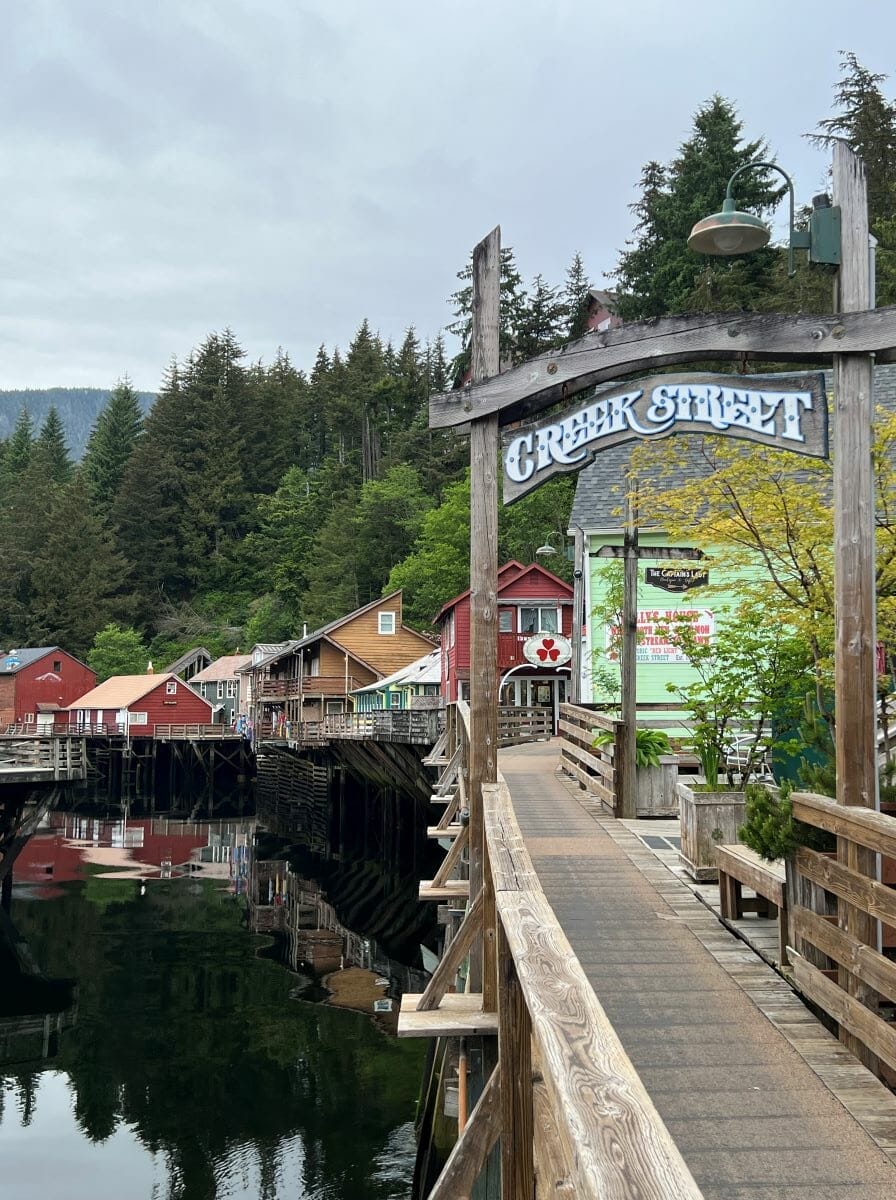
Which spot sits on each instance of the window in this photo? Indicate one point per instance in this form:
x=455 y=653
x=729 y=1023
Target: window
x=220 y=689
x=505 y=620
x=57 y=665
x=137 y=718
x=334 y=707
x=539 y=620
x=171 y=688
x=430 y=689
x=387 y=622
x=231 y=689
x=395 y=699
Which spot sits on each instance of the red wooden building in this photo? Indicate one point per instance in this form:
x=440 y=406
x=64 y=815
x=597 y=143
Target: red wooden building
x=38 y=683
x=531 y=602
x=136 y=704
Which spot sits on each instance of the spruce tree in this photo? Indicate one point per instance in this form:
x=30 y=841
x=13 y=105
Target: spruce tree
x=575 y=299
x=51 y=448
x=20 y=446
x=112 y=442
x=867 y=121
x=513 y=302
x=79 y=580
x=542 y=323
x=659 y=274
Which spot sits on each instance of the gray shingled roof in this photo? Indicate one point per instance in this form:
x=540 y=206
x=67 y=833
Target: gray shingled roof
x=601 y=485
x=14 y=660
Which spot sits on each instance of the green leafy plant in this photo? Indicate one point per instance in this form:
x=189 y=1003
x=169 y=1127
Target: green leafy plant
x=650 y=745
x=748 y=673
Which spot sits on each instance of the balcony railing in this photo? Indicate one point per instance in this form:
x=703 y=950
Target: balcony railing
x=309 y=685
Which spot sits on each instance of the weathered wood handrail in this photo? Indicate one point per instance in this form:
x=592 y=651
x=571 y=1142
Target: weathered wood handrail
x=606 y=1137
x=863 y=973
x=614 y=1140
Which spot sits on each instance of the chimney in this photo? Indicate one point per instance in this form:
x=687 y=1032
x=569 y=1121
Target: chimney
x=149 y=670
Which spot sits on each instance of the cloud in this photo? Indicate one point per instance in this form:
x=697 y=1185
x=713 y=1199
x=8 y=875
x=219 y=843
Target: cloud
x=287 y=167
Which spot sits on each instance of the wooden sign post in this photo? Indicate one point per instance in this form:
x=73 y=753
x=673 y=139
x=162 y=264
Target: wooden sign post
x=854 y=558
x=484 y=599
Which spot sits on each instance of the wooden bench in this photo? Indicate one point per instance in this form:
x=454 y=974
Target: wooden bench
x=739 y=867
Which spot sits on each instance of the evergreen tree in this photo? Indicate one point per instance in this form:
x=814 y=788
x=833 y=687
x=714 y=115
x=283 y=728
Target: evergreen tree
x=659 y=274
x=111 y=444
x=575 y=299
x=183 y=505
x=543 y=322
x=513 y=302
x=867 y=121
x=79 y=580
x=20 y=446
x=51 y=449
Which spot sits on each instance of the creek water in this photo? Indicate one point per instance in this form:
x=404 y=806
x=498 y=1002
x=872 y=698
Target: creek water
x=152 y=1047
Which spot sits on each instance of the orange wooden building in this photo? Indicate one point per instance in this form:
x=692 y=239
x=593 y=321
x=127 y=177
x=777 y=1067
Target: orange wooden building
x=307 y=679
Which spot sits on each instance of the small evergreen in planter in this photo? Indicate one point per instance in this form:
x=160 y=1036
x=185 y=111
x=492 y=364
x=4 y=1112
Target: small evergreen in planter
x=772 y=830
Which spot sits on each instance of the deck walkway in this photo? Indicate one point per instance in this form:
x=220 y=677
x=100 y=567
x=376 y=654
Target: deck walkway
x=751 y=1086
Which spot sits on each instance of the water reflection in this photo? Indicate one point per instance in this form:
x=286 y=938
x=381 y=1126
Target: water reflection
x=194 y=1068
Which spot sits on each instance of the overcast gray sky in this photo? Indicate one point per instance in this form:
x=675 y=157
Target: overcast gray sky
x=287 y=167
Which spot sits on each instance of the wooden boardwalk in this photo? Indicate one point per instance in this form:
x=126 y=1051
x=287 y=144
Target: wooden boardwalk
x=762 y=1102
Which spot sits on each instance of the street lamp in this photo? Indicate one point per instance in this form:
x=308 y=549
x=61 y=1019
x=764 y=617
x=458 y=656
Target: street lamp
x=545 y=550
x=734 y=232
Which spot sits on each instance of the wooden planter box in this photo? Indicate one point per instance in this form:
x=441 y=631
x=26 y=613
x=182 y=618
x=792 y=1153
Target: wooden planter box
x=708 y=819
x=656 y=789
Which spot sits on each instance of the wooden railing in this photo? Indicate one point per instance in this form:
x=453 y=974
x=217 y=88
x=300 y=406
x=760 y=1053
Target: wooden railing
x=842 y=973
x=308 y=685
x=412 y=726
x=517 y=724
x=190 y=733
x=564 y=1099
x=598 y=769
x=58 y=758
x=69 y=729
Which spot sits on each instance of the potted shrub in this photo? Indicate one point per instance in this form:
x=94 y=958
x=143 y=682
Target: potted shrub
x=656 y=769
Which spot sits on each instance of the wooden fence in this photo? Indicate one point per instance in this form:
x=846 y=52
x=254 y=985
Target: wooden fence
x=840 y=972
x=564 y=1099
x=598 y=769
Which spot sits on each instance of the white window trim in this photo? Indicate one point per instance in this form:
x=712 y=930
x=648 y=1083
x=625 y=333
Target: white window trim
x=391 y=622
x=220 y=695
x=231 y=689
x=171 y=688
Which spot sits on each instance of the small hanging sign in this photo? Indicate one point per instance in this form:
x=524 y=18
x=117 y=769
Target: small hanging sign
x=785 y=412
x=547 y=650
x=676 y=579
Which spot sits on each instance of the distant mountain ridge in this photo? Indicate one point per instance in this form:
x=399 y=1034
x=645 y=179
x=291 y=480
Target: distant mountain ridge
x=78 y=410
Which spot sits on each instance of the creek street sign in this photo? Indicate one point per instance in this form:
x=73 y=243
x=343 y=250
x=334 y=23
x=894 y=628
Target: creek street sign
x=786 y=412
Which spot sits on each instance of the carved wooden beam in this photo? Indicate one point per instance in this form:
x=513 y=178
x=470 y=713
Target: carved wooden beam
x=632 y=349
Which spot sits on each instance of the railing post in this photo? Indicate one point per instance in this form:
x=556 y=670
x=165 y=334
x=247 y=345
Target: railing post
x=515 y=1057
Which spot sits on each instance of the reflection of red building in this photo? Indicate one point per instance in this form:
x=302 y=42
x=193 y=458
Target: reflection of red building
x=36 y=684
x=531 y=600
x=141 y=849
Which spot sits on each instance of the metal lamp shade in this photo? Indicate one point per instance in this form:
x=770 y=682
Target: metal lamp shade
x=729 y=232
